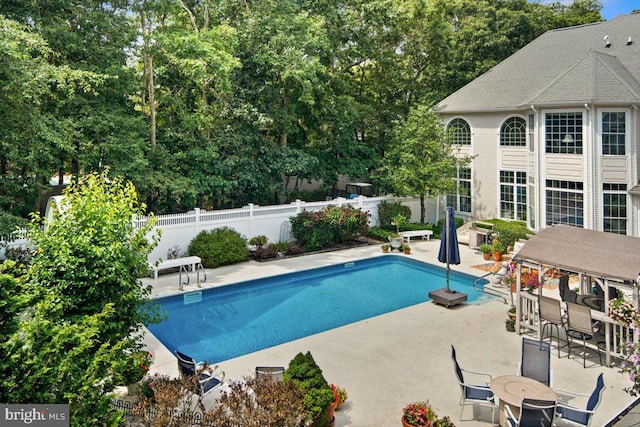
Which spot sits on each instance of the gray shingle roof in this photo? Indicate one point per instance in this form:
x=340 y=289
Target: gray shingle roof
x=567 y=66
x=599 y=254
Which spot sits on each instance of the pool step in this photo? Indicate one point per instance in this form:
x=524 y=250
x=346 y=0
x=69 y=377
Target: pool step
x=192 y=297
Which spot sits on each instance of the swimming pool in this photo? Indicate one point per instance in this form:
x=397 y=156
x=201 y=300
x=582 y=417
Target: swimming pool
x=229 y=321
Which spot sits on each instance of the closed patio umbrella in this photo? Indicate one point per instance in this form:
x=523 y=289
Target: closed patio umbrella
x=449 y=251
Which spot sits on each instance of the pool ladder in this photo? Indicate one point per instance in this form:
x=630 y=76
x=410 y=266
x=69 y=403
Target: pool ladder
x=486 y=290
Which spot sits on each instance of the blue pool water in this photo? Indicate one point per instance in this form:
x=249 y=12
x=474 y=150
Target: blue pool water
x=237 y=319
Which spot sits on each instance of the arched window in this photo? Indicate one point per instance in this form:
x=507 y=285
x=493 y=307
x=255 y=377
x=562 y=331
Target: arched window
x=513 y=132
x=460 y=131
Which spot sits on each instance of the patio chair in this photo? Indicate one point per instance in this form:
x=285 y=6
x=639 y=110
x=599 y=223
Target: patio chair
x=208 y=380
x=272 y=372
x=581 y=325
x=533 y=413
x=578 y=416
x=566 y=294
x=551 y=317
x=536 y=361
x=473 y=394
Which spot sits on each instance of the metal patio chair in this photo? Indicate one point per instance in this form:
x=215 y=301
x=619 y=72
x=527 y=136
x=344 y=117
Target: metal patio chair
x=551 y=317
x=472 y=394
x=536 y=361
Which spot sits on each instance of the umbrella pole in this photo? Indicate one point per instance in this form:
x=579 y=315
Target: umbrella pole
x=447 y=246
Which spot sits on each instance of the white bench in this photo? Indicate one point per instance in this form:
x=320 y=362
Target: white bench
x=166 y=264
x=416 y=233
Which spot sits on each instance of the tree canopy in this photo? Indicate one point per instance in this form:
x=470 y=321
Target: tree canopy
x=218 y=103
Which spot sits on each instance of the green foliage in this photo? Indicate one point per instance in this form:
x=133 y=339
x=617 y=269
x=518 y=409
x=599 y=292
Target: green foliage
x=259 y=240
x=220 y=246
x=485 y=248
x=9 y=223
x=511 y=231
x=330 y=226
x=87 y=305
x=388 y=210
x=305 y=373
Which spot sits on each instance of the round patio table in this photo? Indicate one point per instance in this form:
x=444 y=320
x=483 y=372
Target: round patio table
x=511 y=389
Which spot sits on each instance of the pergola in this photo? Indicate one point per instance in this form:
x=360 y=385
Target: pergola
x=612 y=260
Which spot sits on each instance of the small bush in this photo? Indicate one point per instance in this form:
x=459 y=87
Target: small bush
x=328 y=227
x=262 y=254
x=388 y=210
x=510 y=232
x=221 y=246
x=306 y=374
x=293 y=250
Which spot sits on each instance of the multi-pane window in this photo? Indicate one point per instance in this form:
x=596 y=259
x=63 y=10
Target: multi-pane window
x=615 y=208
x=531 y=131
x=460 y=132
x=563 y=133
x=513 y=195
x=513 y=132
x=613 y=133
x=461 y=201
x=564 y=202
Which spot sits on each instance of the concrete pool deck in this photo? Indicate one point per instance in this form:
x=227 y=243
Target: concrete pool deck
x=393 y=359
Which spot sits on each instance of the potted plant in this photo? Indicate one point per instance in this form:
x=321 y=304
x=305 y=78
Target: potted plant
x=512 y=313
x=395 y=239
x=418 y=414
x=510 y=324
x=257 y=242
x=150 y=383
x=445 y=422
x=497 y=250
x=386 y=247
x=405 y=248
x=339 y=395
x=485 y=249
x=138 y=366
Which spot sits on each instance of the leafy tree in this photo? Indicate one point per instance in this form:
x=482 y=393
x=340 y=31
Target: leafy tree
x=421 y=160
x=88 y=305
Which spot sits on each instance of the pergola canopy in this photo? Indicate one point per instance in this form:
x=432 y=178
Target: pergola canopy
x=596 y=253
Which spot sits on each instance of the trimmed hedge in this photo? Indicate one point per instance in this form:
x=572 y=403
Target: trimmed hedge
x=220 y=246
x=305 y=373
x=328 y=227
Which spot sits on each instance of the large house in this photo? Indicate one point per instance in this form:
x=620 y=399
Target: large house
x=555 y=129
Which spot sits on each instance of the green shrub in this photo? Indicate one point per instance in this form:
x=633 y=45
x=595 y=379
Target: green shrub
x=305 y=373
x=9 y=223
x=220 y=246
x=510 y=232
x=388 y=210
x=378 y=233
x=328 y=227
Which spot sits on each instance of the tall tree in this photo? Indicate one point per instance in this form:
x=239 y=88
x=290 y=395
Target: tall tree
x=421 y=161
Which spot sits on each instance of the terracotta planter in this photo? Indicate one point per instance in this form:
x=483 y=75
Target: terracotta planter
x=406 y=424
x=486 y=256
x=407 y=251
x=497 y=256
x=385 y=250
x=331 y=411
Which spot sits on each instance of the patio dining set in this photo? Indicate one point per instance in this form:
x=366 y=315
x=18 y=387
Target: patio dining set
x=527 y=398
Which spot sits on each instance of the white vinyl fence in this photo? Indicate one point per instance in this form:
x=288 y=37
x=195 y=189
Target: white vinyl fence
x=271 y=221
x=177 y=230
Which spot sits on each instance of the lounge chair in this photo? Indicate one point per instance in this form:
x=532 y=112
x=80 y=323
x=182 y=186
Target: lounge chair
x=536 y=361
x=208 y=380
x=551 y=317
x=578 y=416
x=581 y=325
x=533 y=413
x=472 y=394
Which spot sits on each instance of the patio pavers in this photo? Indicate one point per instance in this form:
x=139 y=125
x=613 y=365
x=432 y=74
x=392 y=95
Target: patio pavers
x=390 y=360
